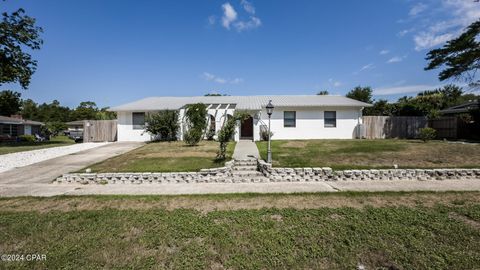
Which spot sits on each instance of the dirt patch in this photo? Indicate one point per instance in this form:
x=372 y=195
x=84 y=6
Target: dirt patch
x=178 y=154
x=470 y=222
x=295 y=144
x=208 y=203
x=336 y=217
x=377 y=260
x=277 y=218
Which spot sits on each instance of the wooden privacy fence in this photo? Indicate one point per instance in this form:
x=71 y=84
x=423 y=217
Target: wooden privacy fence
x=446 y=127
x=99 y=130
x=381 y=127
x=406 y=127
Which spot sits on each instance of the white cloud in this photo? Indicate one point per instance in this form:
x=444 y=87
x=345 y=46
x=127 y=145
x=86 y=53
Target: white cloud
x=248 y=7
x=229 y=15
x=335 y=83
x=254 y=22
x=236 y=80
x=211 y=20
x=395 y=59
x=408 y=89
x=404 y=32
x=444 y=23
x=417 y=9
x=365 y=67
x=383 y=52
x=426 y=40
x=213 y=78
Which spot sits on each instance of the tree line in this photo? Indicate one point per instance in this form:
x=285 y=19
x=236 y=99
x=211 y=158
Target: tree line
x=53 y=114
x=11 y=103
x=428 y=103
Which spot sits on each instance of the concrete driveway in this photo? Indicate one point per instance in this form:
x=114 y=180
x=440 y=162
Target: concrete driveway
x=46 y=171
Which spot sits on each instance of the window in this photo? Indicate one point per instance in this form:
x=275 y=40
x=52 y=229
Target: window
x=330 y=118
x=11 y=130
x=138 y=120
x=289 y=119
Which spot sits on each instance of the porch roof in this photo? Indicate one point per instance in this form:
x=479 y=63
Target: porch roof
x=242 y=102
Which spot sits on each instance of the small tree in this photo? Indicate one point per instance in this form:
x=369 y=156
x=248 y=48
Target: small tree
x=225 y=134
x=164 y=124
x=196 y=116
x=360 y=93
x=10 y=102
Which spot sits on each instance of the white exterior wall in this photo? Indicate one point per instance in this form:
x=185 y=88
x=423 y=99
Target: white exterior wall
x=220 y=118
x=125 y=131
x=310 y=124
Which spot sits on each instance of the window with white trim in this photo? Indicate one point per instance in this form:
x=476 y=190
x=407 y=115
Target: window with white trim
x=330 y=119
x=289 y=119
x=138 y=120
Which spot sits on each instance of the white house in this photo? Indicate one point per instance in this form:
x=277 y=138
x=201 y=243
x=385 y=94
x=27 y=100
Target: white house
x=294 y=117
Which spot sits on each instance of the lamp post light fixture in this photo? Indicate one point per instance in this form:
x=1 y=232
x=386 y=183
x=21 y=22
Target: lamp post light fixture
x=269 y=108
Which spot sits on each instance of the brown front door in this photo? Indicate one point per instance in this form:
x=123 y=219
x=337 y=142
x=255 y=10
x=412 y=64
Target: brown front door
x=246 y=131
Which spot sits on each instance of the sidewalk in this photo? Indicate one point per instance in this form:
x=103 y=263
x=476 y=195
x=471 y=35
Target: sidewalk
x=245 y=149
x=11 y=190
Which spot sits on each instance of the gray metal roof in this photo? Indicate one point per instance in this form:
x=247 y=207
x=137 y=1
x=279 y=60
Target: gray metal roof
x=243 y=102
x=462 y=108
x=17 y=121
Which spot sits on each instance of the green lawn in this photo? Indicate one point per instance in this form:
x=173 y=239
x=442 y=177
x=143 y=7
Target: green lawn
x=166 y=157
x=12 y=147
x=370 y=154
x=297 y=231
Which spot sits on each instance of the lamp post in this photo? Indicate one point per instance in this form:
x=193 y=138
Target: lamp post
x=269 y=112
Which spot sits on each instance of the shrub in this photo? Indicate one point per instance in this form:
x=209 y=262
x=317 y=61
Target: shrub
x=196 y=118
x=55 y=127
x=164 y=124
x=26 y=138
x=264 y=134
x=192 y=136
x=210 y=134
x=427 y=134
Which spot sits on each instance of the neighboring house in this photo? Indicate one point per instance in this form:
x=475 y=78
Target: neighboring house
x=12 y=127
x=467 y=107
x=294 y=117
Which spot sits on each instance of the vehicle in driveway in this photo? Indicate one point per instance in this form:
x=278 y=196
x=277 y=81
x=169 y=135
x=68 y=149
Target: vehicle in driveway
x=76 y=135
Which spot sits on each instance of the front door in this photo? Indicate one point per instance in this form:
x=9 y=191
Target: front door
x=246 y=131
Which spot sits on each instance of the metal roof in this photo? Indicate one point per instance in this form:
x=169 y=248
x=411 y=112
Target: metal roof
x=17 y=121
x=462 y=108
x=242 y=102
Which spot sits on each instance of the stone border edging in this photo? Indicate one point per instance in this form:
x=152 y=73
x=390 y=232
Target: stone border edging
x=327 y=174
x=271 y=174
x=203 y=176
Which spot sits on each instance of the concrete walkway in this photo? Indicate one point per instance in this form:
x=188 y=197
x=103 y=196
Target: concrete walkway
x=12 y=190
x=245 y=149
x=46 y=171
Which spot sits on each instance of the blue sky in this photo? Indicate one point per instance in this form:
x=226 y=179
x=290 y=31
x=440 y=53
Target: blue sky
x=113 y=52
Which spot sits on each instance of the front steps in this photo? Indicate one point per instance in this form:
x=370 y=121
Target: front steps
x=246 y=171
